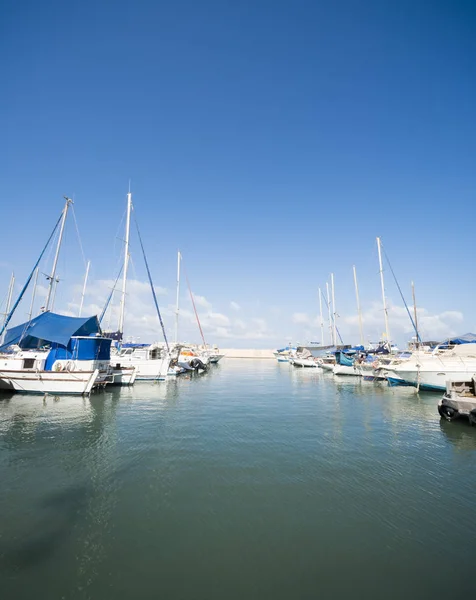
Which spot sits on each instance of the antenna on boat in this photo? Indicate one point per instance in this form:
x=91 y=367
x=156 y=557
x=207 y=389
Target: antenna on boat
x=126 y=262
x=84 y=288
x=329 y=311
x=358 y=307
x=334 y=333
x=179 y=258
x=385 y=311
x=52 y=278
x=322 y=320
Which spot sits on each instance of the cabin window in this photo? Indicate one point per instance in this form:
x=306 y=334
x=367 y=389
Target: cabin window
x=154 y=354
x=28 y=363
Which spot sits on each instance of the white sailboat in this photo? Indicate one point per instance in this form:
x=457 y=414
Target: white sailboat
x=136 y=362
x=53 y=353
x=50 y=355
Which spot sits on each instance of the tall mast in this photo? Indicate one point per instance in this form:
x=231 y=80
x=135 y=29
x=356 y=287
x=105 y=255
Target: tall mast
x=330 y=317
x=126 y=263
x=179 y=258
x=358 y=307
x=84 y=288
x=322 y=320
x=415 y=316
x=334 y=330
x=52 y=277
x=30 y=314
x=9 y=301
x=385 y=312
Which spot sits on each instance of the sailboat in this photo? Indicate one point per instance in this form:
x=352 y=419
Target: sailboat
x=136 y=362
x=53 y=353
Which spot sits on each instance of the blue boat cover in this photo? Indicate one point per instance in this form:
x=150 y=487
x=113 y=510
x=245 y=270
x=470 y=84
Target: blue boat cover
x=93 y=348
x=344 y=360
x=50 y=328
x=467 y=338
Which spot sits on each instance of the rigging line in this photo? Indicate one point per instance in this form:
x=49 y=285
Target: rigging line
x=338 y=332
x=151 y=283
x=18 y=300
x=193 y=304
x=116 y=237
x=401 y=294
x=113 y=289
x=77 y=233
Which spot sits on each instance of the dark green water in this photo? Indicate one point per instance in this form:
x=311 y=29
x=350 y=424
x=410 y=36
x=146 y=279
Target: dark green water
x=253 y=481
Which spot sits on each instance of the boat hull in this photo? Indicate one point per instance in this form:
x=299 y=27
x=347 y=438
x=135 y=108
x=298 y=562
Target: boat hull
x=50 y=382
x=308 y=363
x=345 y=370
x=146 y=369
x=434 y=380
x=124 y=376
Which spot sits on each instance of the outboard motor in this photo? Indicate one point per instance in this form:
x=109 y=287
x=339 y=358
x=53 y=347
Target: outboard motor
x=197 y=364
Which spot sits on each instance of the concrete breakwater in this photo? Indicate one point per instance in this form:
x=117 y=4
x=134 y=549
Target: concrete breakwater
x=246 y=353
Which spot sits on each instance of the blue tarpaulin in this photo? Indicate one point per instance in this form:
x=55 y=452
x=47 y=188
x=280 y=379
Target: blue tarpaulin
x=467 y=338
x=344 y=360
x=51 y=328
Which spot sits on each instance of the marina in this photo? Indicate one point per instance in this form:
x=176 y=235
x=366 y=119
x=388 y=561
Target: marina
x=237 y=331
x=254 y=479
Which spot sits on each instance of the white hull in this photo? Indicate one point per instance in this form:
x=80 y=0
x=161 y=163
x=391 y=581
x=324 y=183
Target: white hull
x=371 y=373
x=214 y=358
x=326 y=366
x=434 y=379
x=146 y=369
x=50 y=382
x=124 y=376
x=303 y=362
x=345 y=370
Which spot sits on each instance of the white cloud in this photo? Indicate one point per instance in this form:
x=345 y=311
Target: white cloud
x=301 y=318
x=235 y=305
x=201 y=301
x=431 y=326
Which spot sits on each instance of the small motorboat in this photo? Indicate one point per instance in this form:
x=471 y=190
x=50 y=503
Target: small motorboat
x=303 y=358
x=459 y=401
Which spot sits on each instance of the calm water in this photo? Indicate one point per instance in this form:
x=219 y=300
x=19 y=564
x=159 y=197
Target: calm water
x=255 y=480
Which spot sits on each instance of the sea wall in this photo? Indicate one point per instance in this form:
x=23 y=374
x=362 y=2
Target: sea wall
x=246 y=353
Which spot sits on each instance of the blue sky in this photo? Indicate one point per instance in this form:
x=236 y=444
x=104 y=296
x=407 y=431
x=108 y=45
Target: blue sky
x=269 y=141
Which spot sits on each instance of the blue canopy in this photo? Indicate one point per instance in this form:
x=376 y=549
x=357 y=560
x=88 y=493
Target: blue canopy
x=50 y=328
x=467 y=338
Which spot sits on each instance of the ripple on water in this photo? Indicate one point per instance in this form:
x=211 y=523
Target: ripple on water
x=255 y=480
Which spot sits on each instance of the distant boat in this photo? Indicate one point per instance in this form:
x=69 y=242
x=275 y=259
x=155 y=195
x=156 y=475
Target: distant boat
x=283 y=354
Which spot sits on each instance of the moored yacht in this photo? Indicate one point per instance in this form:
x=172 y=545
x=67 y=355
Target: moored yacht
x=55 y=354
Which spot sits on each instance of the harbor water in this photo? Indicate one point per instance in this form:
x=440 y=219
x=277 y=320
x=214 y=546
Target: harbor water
x=254 y=480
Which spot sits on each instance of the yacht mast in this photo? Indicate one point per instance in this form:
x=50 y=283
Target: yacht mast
x=179 y=258
x=322 y=320
x=330 y=318
x=358 y=307
x=334 y=330
x=84 y=288
x=126 y=263
x=385 y=311
x=52 y=277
